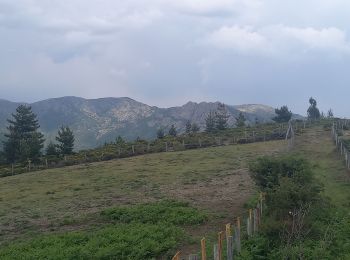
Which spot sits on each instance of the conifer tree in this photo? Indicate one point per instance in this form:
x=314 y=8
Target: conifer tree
x=210 y=122
x=221 y=117
x=51 y=149
x=283 y=115
x=24 y=141
x=65 y=139
x=240 y=120
x=313 y=112
x=195 y=128
x=172 y=131
x=160 y=133
x=188 y=127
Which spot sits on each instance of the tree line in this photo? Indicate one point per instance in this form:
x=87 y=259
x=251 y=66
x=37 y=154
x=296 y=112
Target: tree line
x=24 y=142
x=217 y=120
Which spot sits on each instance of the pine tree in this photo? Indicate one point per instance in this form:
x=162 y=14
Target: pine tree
x=24 y=141
x=172 y=131
x=221 y=117
x=51 y=149
x=188 y=127
x=120 y=141
x=313 y=112
x=240 y=120
x=160 y=133
x=66 y=139
x=195 y=128
x=283 y=115
x=210 y=122
x=330 y=113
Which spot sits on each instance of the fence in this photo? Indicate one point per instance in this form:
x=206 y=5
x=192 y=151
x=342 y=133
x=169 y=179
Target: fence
x=114 y=151
x=233 y=235
x=337 y=133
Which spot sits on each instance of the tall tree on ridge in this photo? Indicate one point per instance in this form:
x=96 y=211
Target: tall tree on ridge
x=283 y=115
x=66 y=140
x=313 y=113
x=173 y=131
x=24 y=141
x=240 y=120
x=221 y=117
x=210 y=122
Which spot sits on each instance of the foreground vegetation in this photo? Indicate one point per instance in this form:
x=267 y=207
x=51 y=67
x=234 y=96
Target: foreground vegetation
x=136 y=232
x=308 y=203
x=55 y=201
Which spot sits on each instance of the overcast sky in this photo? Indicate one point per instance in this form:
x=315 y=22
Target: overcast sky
x=167 y=52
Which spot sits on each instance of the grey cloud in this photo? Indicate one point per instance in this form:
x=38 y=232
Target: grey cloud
x=166 y=52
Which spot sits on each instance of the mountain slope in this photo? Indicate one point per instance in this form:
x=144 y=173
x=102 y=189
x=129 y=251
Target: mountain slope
x=95 y=121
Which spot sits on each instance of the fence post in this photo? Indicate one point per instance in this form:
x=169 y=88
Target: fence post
x=166 y=146
x=133 y=149
x=12 y=169
x=220 y=239
x=248 y=227
x=29 y=165
x=229 y=248
x=148 y=146
x=251 y=221
x=216 y=253
x=200 y=142
x=255 y=221
x=203 y=249
x=238 y=235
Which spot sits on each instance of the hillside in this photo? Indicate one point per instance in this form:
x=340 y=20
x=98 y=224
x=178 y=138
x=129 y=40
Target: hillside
x=89 y=209
x=97 y=121
x=212 y=180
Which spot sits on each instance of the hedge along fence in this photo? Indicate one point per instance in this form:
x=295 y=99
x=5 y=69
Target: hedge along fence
x=261 y=133
x=229 y=241
x=342 y=145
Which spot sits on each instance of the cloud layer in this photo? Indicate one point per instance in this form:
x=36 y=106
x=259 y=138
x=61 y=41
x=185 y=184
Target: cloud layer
x=166 y=52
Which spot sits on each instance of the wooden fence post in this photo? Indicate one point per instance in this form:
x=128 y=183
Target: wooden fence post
x=216 y=252
x=220 y=239
x=29 y=165
x=133 y=149
x=251 y=221
x=203 y=249
x=238 y=235
x=46 y=163
x=229 y=248
x=255 y=221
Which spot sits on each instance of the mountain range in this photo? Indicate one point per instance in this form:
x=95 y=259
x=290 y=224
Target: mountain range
x=96 y=121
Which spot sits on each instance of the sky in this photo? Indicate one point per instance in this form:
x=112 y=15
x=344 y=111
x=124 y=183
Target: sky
x=168 y=52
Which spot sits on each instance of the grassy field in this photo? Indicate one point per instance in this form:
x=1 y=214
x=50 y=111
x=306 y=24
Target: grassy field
x=212 y=180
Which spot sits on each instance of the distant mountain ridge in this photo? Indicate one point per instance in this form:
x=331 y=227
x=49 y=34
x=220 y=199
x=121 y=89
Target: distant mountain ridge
x=95 y=121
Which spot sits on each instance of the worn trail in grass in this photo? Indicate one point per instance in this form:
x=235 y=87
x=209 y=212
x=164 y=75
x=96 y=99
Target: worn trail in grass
x=317 y=146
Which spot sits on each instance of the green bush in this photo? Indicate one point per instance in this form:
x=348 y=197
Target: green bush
x=145 y=231
x=122 y=241
x=171 y=212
